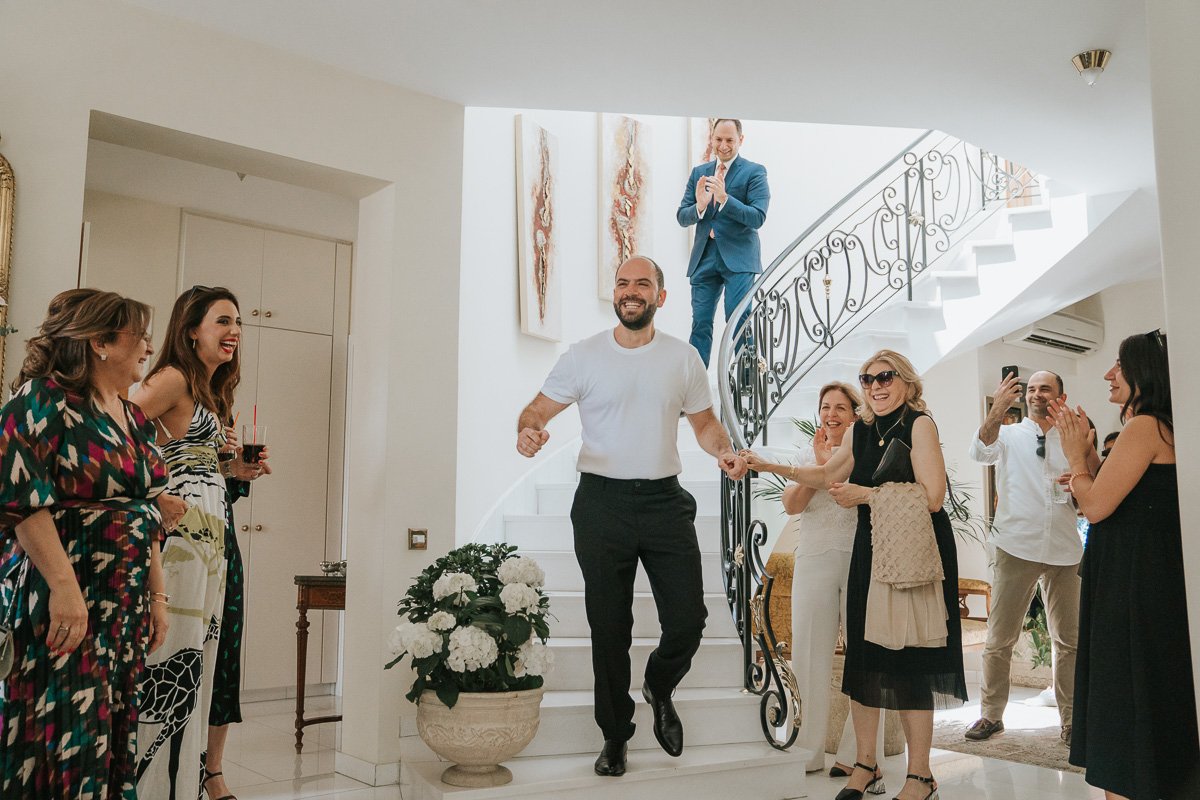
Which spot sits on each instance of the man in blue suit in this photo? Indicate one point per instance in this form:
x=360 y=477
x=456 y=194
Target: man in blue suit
x=726 y=199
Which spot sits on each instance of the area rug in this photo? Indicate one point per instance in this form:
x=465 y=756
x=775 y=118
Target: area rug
x=1040 y=747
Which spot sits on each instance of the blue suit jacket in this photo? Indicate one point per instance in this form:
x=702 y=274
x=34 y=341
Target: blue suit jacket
x=736 y=225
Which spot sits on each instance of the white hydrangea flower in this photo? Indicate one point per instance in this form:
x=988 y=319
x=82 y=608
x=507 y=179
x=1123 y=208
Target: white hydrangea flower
x=415 y=639
x=533 y=658
x=471 y=648
x=519 y=598
x=454 y=583
x=399 y=638
x=521 y=570
x=424 y=642
x=441 y=621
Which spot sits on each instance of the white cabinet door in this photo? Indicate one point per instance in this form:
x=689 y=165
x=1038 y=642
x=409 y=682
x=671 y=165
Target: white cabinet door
x=287 y=528
x=297 y=283
x=243 y=509
x=219 y=253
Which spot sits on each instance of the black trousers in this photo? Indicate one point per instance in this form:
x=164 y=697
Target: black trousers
x=617 y=523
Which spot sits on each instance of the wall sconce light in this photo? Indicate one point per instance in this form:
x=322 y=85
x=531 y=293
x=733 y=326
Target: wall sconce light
x=1090 y=64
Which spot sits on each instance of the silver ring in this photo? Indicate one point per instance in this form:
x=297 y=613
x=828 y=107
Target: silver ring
x=66 y=628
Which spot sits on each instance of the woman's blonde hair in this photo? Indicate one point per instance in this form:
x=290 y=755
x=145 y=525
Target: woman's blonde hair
x=906 y=372
x=839 y=386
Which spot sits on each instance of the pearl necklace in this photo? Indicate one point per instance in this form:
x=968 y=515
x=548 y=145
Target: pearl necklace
x=889 y=430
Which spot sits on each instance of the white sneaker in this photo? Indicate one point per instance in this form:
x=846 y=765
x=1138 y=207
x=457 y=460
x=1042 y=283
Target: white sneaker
x=1046 y=698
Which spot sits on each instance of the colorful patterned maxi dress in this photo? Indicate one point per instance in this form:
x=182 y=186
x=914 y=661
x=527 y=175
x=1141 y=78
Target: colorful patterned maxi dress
x=67 y=722
x=176 y=694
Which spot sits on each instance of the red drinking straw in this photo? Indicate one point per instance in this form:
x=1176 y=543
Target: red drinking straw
x=254 y=430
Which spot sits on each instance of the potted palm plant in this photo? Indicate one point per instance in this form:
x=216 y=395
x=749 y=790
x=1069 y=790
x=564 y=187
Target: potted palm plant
x=474 y=625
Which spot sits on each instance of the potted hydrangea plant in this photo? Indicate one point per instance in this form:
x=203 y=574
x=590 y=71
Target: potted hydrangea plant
x=474 y=624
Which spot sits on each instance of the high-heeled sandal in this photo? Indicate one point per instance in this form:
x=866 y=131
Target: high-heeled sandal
x=933 y=790
x=208 y=776
x=838 y=771
x=874 y=787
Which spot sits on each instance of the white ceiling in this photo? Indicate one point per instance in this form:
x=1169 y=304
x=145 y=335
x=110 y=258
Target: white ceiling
x=996 y=74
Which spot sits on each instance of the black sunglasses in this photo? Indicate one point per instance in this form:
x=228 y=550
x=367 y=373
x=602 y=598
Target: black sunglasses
x=884 y=379
x=1041 y=448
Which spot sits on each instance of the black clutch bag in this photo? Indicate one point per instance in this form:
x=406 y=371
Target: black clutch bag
x=895 y=466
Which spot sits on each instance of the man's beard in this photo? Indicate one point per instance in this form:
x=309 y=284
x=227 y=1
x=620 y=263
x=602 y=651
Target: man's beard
x=640 y=321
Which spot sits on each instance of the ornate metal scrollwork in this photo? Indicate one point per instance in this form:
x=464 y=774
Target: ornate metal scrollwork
x=897 y=223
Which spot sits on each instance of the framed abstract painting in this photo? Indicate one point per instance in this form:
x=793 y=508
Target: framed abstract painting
x=625 y=195
x=537 y=233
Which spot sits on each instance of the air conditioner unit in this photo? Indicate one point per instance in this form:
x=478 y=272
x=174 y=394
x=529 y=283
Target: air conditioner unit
x=1063 y=334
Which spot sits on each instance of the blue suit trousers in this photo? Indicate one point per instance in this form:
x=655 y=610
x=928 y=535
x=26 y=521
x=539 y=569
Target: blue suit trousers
x=708 y=281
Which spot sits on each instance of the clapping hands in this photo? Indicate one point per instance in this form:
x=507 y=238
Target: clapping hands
x=1074 y=431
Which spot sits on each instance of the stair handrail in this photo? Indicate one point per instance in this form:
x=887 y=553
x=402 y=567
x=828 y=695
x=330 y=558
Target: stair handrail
x=945 y=188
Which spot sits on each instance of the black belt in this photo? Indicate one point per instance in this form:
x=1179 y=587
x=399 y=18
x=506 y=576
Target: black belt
x=630 y=485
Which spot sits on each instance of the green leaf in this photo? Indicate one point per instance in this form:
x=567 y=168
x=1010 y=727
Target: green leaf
x=448 y=694
x=517 y=630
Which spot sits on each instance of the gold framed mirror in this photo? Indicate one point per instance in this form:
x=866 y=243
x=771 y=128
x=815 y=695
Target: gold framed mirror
x=7 y=196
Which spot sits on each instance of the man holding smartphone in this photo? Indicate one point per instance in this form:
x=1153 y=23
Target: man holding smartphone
x=1035 y=539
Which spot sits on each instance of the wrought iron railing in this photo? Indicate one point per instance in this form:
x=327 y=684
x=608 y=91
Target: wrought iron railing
x=892 y=227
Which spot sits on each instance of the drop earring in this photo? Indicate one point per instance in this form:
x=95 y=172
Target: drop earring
x=193 y=344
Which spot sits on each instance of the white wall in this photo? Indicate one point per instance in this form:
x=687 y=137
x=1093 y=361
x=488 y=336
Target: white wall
x=69 y=57
x=147 y=176
x=1173 y=30
x=810 y=168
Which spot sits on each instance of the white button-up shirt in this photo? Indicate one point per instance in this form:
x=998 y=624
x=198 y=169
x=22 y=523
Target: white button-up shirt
x=1029 y=523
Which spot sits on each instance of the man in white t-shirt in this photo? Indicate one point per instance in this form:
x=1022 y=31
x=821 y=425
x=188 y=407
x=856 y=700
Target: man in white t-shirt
x=1035 y=540
x=630 y=384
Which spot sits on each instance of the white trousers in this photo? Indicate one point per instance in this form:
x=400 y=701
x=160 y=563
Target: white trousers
x=818 y=606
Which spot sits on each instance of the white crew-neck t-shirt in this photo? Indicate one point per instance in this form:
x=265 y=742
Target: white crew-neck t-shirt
x=629 y=402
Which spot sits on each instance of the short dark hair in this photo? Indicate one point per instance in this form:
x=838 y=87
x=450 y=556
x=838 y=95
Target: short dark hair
x=1061 y=389
x=1112 y=437
x=658 y=273
x=737 y=123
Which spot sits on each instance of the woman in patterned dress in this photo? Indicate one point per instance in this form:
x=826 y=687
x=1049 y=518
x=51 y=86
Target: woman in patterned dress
x=80 y=477
x=188 y=392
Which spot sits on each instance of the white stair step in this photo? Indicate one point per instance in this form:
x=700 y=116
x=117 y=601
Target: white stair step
x=568 y=608
x=553 y=532
x=993 y=252
x=562 y=571
x=1028 y=218
x=710 y=716
x=556 y=498
x=748 y=770
x=717 y=664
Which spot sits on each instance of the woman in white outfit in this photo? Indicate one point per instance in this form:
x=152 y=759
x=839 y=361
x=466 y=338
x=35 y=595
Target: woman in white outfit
x=825 y=539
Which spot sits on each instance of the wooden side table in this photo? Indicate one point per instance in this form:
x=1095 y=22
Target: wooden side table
x=316 y=593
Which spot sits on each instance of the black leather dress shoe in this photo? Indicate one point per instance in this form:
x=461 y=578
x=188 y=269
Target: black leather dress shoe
x=611 y=760
x=668 y=730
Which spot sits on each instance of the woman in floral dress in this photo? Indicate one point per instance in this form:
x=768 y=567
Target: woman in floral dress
x=79 y=539
x=188 y=392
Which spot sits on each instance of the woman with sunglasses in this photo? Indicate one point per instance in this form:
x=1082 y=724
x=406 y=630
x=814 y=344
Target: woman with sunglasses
x=188 y=393
x=81 y=580
x=913 y=680
x=824 y=542
x=1135 y=713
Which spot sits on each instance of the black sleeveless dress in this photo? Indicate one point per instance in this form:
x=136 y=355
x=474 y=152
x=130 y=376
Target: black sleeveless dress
x=1135 y=711
x=914 y=678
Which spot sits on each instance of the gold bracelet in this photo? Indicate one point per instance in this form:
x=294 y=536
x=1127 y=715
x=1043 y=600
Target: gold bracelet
x=163 y=602
x=1071 y=480
x=166 y=598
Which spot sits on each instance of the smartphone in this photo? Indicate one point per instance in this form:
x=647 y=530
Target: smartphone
x=1006 y=371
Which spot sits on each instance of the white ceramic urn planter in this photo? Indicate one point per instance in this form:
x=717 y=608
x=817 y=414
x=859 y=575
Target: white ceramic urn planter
x=482 y=730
